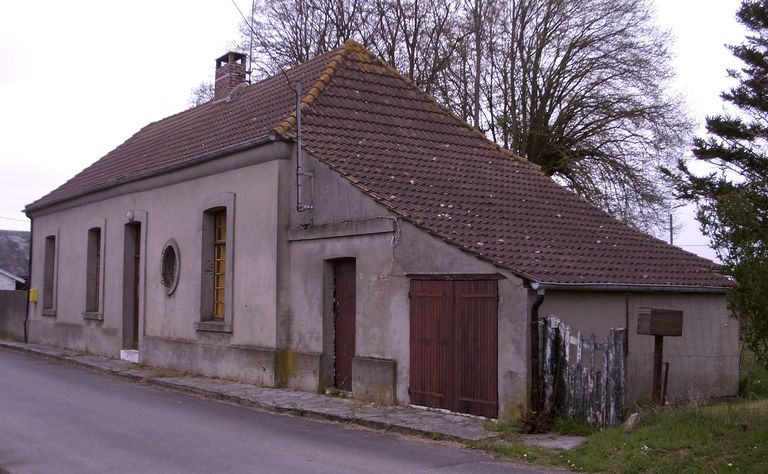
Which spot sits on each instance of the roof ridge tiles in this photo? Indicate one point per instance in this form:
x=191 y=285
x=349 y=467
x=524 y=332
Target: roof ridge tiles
x=283 y=128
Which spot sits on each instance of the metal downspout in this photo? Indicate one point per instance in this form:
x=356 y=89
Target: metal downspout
x=300 y=206
x=29 y=280
x=626 y=324
x=535 y=363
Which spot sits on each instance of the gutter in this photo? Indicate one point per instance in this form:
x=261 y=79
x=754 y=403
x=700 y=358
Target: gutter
x=168 y=169
x=628 y=288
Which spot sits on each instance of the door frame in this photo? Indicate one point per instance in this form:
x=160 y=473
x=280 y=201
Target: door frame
x=328 y=356
x=134 y=231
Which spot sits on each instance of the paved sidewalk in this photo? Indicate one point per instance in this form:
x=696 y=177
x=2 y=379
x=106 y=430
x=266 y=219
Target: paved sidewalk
x=406 y=419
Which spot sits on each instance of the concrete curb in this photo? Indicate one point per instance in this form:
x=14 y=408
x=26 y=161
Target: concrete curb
x=399 y=419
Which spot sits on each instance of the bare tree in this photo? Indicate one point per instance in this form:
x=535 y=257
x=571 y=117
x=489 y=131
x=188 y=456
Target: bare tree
x=282 y=33
x=579 y=87
x=582 y=91
x=201 y=94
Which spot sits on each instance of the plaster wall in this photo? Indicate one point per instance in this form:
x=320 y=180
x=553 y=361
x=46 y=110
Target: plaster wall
x=170 y=211
x=65 y=325
x=280 y=280
x=703 y=363
x=346 y=223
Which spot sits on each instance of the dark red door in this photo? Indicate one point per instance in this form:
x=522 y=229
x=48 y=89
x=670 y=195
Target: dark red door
x=430 y=343
x=454 y=344
x=344 y=322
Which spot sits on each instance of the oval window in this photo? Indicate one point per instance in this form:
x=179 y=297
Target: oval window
x=169 y=275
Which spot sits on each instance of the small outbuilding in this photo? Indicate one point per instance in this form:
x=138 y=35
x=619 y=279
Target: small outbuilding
x=14 y=259
x=371 y=242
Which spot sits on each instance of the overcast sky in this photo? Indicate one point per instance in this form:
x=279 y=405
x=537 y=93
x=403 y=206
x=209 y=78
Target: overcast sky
x=77 y=78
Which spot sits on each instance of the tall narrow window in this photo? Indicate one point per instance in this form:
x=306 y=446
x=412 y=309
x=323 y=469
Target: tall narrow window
x=93 y=271
x=49 y=275
x=220 y=263
x=216 y=233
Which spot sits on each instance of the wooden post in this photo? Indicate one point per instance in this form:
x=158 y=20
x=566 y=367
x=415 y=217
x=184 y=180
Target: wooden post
x=658 y=357
x=659 y=323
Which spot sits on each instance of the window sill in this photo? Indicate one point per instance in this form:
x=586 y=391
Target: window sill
x=213 y=326
x=96 y=316
x=49 y=312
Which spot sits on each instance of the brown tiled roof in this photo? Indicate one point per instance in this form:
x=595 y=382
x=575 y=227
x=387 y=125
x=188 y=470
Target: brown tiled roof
x=397 y=145
x=193 y=134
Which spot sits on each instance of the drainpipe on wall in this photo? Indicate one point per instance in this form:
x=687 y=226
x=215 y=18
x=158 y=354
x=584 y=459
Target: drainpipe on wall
x=300 y=206
x=29 y=280
x=626 y=324
x=535 y=363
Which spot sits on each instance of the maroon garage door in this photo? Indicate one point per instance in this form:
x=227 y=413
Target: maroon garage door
x=454 y=345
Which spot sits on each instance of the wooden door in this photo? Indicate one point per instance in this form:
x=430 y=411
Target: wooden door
x=454 y=343
x=136 y=285
x=344 y=322
x=431 y=340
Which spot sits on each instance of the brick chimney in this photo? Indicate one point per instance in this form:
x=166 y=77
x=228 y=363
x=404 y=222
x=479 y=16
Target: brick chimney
x=230 y=73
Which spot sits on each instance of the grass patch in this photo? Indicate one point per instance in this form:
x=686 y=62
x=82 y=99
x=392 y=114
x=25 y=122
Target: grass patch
x=520 y=451
x=436 y=436
x=714 y=438
x=507 y=429
x=722 y=437
x=567 y=425
x=335 y=392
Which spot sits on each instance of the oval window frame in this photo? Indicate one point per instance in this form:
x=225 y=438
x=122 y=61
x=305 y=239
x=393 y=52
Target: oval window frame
x=170 y=284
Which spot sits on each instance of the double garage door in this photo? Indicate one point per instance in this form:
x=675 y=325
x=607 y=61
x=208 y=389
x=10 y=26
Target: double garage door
x=454 y=343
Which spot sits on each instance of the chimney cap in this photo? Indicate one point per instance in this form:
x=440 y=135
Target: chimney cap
x=231 y=57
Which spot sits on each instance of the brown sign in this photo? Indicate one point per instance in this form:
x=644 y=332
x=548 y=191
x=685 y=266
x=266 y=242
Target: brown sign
x=659 y=322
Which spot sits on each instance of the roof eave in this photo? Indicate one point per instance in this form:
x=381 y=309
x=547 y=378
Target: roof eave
x=628 y=287
x=201 y=159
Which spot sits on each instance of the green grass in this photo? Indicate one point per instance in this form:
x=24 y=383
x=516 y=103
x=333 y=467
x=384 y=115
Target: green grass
x=723 y=437
x=335 y=392
x=571 y=426
x=506 y=429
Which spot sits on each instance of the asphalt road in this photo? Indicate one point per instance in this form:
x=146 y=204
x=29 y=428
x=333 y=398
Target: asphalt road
x=59 y=418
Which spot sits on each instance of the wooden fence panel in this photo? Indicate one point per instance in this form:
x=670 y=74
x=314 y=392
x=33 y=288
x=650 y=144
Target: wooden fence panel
x=590 y=385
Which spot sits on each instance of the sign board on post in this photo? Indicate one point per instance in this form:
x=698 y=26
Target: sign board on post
x=659 y=323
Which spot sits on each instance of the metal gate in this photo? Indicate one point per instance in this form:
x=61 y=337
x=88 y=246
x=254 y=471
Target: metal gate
x=454 y=345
